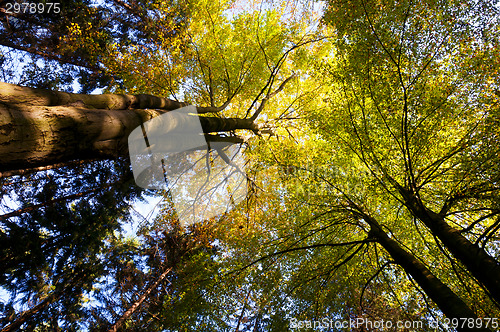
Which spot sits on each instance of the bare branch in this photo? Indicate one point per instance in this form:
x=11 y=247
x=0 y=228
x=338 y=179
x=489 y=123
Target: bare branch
x=318 y=245
x=270 y=95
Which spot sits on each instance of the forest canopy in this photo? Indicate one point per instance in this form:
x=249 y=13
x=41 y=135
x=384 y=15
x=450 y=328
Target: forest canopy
x=364 y=133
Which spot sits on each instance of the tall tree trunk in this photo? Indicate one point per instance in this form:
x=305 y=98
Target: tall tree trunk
x=33 y=135
x=449 y=303
x=126 y=315
x=477 y=261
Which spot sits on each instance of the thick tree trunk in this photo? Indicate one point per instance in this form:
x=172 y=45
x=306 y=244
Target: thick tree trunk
x=33 y=134
x=126 y=315
x=449 y=303
x=477 y=261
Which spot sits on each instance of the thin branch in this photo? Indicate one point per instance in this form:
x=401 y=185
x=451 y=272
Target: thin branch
x=371 y=279
x=270 y=95
x=319 y=245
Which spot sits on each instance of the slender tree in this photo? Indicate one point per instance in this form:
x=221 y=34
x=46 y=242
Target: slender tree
x=126 y=315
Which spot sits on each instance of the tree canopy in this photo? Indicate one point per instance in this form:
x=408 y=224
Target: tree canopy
x=370 y=134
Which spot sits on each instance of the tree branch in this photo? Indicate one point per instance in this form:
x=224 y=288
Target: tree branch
x=319 y=245
x=270 y=95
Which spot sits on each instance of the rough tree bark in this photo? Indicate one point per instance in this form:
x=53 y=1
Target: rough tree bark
x=41 y=127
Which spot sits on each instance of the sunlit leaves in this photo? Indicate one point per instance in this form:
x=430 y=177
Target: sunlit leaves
x=405 y=96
